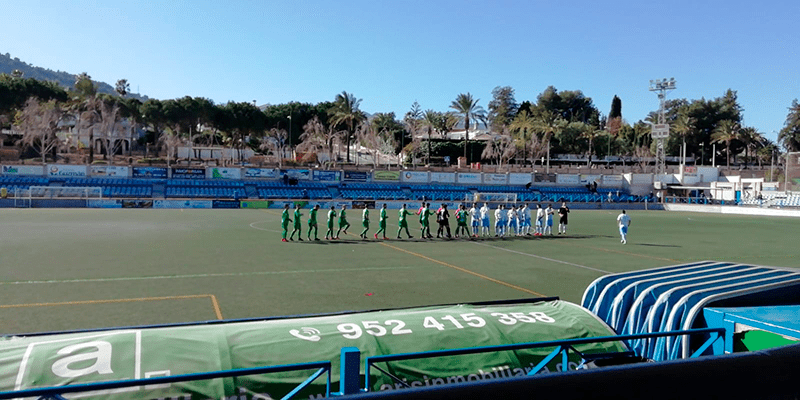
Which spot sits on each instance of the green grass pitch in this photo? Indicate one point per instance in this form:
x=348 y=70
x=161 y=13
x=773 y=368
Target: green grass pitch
x=64 y=269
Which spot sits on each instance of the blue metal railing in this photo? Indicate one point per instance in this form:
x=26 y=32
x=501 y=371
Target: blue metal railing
x=57 y=391
x=350 y=365
x=561 y=347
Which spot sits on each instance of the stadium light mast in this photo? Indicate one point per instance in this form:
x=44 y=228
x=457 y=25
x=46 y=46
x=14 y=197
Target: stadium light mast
x=660 y=131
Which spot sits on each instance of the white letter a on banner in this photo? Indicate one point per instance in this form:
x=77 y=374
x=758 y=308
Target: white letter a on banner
x=102 y=357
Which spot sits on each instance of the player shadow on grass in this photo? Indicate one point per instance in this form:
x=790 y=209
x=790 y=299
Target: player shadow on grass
x=334 y=242
x=499 y=238
x=461 y=239
x=655 y=245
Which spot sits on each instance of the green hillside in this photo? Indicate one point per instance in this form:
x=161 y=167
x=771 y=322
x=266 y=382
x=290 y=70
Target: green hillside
x=65 y=79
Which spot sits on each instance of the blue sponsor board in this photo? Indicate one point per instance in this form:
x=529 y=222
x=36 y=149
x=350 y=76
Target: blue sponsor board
x=328 y=176
x=188 y=173
x=225 y=204
x=149 y=172
x=356 y=176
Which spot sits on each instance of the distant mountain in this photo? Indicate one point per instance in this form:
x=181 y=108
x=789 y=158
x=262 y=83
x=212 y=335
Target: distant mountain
x=65 y=79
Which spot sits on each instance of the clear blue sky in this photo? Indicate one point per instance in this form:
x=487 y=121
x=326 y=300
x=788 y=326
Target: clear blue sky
x=391 y=53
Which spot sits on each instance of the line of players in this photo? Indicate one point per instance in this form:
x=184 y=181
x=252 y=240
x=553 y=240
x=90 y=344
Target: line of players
x=513 y=221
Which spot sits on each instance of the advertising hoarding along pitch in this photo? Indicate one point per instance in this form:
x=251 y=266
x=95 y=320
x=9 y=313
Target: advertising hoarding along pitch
x=327 y=176
x=262 y=173
x=468 y=177
x=149 y=172
x=516 y=178
x=414 y=176
x=176 y=204
x=23 y=170
x=299 y=174
x=66 y=170
x=495 y=179
x=385 y=176
x=188 y=173
x=108 y=170
x=356 y=176
x=443 y=177
x=225 y=173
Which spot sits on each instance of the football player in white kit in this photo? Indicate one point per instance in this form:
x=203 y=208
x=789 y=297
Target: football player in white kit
x=474 y=219
x=539 y=220
x=548 y=225
x=499 y=224
x=485 y=219
x=512 y=220
x=525 y=220
x=624 y=221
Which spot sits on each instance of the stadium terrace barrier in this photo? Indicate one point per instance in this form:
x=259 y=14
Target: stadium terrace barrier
x=350 y=368
x=671 y=298
x=766 y=374
x=560 y=347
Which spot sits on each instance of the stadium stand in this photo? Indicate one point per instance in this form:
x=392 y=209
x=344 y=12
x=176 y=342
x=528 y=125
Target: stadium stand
x=278 y=189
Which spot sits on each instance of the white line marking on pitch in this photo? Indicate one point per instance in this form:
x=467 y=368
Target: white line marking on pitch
x=145 y=278
x=544 y=258
x=262 y=229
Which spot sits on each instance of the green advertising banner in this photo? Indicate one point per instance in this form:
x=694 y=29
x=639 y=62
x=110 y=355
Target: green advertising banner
x=52 y=360
x=255 y=204
x=386 y=176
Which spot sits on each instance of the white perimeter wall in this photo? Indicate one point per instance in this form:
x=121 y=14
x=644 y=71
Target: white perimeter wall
x=734 y=210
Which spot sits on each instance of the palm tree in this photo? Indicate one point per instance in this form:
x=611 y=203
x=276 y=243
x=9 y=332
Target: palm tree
x=726 y=132
x=751 y=138
x=683 y=127
x=590 y=132
x=430 y=119
x=346 y=111
x=549 y=123
x=468 y=108
x=789 y=135
x=524 y=125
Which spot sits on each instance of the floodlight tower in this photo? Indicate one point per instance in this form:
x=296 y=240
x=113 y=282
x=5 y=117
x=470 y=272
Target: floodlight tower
x=660 y=131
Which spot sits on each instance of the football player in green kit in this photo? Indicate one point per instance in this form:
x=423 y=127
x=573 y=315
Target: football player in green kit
x=331 y=218
x=312 y=222
x=382 y=222
x=461 y=220
x=403 y=222
x=365 y=222
x=343 y=224
x=285 y=222
x=298 y=224
x=424 y=215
